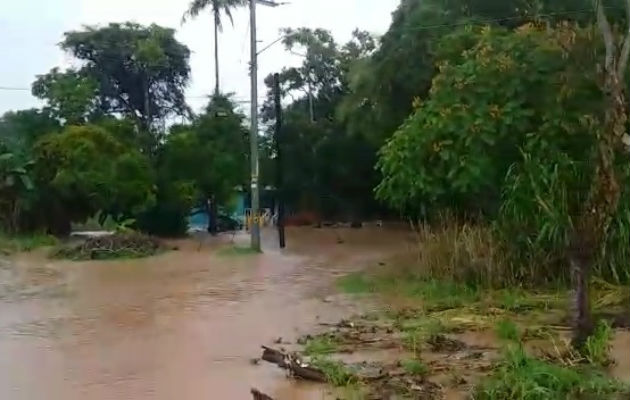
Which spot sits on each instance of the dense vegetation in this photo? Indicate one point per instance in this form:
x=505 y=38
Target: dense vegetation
x=100 y=146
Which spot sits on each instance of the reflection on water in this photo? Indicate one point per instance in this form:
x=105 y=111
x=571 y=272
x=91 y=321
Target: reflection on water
x=180 y=325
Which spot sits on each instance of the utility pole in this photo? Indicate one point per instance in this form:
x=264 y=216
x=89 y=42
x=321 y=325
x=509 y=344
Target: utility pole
x=279 y=178
x=253 y=133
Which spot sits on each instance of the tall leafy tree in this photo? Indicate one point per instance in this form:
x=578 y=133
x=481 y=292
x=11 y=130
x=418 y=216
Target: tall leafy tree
x=325 y=170
x=217 y=7
x=128 y=69
x=383 y=88
x=211 y=152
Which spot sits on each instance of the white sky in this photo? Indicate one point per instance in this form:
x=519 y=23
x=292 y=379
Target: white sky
x=30 y=30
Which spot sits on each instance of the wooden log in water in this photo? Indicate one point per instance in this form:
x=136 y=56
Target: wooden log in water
x=258 y=395
x=292 y=363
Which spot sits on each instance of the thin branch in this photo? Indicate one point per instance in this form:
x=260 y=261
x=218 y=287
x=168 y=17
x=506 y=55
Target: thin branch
x=625 y=50
x=604 y=27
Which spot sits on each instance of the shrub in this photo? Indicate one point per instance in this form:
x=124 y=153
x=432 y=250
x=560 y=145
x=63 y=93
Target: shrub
x=520 y=377
x=597 y=346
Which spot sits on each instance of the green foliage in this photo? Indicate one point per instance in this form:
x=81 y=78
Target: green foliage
x=320 y=345
x=16 y=187
x=337 y=373
x=414 y=367
x=520 y=377
x=12 y=243
x=597 y=346
x=168 y=217
x=615 y=255
x=96 y=222
x=217 y=7
x=455 y=150
x=20 y=129
x=84 y=169
x=384 y=86
x=517 y=150
x=321 y=162
x=216 y=140
x=70 y=95
x=434 y=293
x=355 y=283
x=507 y=330
x=141 y=73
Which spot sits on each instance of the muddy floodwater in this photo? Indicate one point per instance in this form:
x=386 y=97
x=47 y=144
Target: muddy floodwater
x=181 y=325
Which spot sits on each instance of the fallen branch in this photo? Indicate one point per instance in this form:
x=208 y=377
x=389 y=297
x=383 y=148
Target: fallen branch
x=274 y=356
x=293 y=364
x=258 y=395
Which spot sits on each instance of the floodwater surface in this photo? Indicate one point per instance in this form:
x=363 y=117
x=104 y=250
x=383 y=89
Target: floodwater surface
x=181 y=325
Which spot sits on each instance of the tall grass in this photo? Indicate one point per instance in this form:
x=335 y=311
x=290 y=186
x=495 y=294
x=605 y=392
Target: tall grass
x=461 y=252
x=24 y=242
x=495 y=255
x=521 y=377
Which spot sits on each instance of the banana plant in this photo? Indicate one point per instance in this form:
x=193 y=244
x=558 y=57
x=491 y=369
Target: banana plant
x=15 y=186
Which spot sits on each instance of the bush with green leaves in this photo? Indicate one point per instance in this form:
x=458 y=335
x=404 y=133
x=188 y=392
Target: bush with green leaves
x=83 y=170
x=454 y=151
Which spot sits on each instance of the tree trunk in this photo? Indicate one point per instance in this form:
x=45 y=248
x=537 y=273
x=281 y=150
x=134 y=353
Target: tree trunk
x=216 y=50
x=147 y=107
x=212 y=222
x=592 y=225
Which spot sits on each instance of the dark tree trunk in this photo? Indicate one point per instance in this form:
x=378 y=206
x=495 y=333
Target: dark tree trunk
x=212 y=215
x=58 y=221
x=592 y=225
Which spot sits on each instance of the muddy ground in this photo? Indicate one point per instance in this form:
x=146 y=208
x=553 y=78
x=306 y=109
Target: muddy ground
x=418 y=354
x=415 y=348
x=181 y=325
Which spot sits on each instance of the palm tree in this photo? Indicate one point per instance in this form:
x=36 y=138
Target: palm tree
x=217 y=6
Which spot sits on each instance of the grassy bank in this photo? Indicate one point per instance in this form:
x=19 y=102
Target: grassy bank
x=26 y=242
x=480 y=343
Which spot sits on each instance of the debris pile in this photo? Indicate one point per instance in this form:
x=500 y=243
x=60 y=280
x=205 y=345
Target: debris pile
x=119 y=245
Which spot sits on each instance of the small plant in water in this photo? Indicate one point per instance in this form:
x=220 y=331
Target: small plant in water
x=337 y=373
x=597 y=346
x=320 y=345
x=414 y=367
x=412 y=341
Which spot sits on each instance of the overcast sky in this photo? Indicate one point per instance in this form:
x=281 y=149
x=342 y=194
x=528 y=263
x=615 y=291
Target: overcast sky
x=31 y=29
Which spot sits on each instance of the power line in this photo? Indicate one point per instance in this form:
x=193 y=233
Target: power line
x=13 y=88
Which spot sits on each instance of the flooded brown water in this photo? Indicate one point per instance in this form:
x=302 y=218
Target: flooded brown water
x=182 y=325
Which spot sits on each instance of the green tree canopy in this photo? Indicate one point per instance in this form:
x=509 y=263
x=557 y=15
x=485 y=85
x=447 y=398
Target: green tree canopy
x=20 y=129
x=130 y=70
x=456 y=148
x=84 y=169
x=70 y=96
x=211 y=152
x=383 y=88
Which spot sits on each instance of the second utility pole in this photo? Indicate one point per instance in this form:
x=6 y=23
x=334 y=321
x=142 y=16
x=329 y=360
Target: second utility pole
x=253 y=134
x=279 y=177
